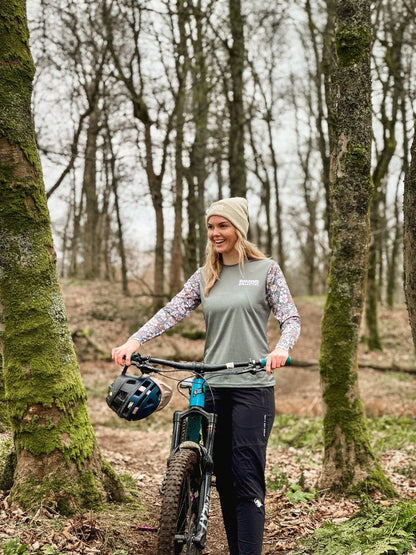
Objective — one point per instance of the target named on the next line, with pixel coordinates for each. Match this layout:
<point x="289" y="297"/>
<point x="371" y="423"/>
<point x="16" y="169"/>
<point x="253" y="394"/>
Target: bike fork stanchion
<point x="209" y="420"/>
<point x="201" y="532"/>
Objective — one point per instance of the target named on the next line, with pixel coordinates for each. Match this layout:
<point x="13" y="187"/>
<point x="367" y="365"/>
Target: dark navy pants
<point x="245" y="419"/>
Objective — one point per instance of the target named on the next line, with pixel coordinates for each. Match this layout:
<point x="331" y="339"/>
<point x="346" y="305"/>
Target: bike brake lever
<point x="255" y="365"/>
<point x="143" y="367"/>
<point x="258" y="364"/>
<point x="138" y="358"/>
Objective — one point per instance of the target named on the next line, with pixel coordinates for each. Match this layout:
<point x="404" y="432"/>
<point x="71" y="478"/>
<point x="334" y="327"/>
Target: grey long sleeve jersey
<point x="236" y="313"/>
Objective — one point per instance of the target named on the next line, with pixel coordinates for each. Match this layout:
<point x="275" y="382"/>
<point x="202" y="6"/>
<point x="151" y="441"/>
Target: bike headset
<point x="136" y="397"/>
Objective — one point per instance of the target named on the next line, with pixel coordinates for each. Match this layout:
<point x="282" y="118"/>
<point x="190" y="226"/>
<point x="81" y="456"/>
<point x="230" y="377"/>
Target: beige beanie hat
<point x="235" y="209"/>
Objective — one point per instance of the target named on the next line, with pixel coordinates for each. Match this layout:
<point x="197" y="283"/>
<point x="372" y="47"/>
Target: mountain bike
<point x="186" y="488"/>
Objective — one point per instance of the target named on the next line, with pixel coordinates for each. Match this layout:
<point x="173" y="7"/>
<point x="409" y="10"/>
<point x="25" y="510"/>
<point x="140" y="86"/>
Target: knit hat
<point x="234" y="209"/>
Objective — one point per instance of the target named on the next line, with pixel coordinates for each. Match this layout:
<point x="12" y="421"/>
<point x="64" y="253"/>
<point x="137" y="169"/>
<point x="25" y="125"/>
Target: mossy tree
<point x="3" y="411"/>
<point x="349" y="463"/>
<point x="58" y="460"/>
<point x="409" y="223"/>
<point x="409" y="238"/>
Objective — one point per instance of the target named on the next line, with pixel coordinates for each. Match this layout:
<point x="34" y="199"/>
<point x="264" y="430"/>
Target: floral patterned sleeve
<point x="177" y="308"/>
<point x="283" y="307"/>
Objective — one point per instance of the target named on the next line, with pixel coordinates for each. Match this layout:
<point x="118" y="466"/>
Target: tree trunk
<point x="319" y="78"/>
<point x="393" y="90"/>
<point x="4" y="420"/>
<point x="308" y="244"/>
<point x="349" y="463"/>
<point x="120" y="236"/>
<point x="268" y="177"/>
<point x="393" y="265"/>
<point x="90" y="236"/>
<point x="218" y="159"/>
<point x="372" y="337"/>
<point x="281" y="255"/>
<point x="104" y="222"/>
<point x="264" y="238"/>
<point x="131" y="76"/>
<point x="191" y="259"/>
<point x="155" y="187"/>
<point x="196" y="174"/>
<point x="58" y="460"/>
<point x="409" y="239"/>
<point x="395" y="251"/>
<point x="114" y="186"/>
<point x="236" y="158"/>
<point x="328" y="65"/>
<point x="73" y="270"/>
<point x="200" y="107"/>
<point x="182" y="64"/>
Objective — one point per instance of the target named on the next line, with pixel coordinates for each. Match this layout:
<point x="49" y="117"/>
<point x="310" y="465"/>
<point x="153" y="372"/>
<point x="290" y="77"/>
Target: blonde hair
<point x="213" y="261"/>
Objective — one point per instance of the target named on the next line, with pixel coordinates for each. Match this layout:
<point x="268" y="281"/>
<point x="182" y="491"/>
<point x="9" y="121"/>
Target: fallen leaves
<point x="79" y="536"/>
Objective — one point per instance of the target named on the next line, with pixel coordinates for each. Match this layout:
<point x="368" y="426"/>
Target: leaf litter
<point x="142" y="451"/>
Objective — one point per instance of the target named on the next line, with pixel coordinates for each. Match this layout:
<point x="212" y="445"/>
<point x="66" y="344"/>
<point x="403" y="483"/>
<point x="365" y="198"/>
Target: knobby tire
<point x="179" y="510"/>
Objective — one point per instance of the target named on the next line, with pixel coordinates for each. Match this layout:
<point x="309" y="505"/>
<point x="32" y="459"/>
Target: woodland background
<point x="144" y="113"/>
<point x="147" y="112"/>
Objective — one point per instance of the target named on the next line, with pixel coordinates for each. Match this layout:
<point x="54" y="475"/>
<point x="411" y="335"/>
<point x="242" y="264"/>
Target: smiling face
<point x="223" y="236"/>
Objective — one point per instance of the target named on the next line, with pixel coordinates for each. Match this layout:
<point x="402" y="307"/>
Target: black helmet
<point x="134" y="397"/>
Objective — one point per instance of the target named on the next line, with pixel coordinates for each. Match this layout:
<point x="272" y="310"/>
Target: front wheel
<point x="179" y="510"/>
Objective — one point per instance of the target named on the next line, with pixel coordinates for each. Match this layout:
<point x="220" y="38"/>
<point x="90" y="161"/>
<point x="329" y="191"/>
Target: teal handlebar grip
<point x="287" y="363"/>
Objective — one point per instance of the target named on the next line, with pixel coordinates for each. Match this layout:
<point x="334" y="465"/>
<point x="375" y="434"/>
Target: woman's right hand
<point x="122" y="355"/>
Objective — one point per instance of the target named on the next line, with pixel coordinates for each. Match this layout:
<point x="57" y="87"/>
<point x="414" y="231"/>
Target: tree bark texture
<point x="322" y="64"/>
<point x="90" y="236"/>
<point x="182" y="67"/>
<point x="349" y="463"/>
<point x="236" y="158"/>
<point x="328" y="67"/>
<point x="4" y="420"/>
<point x="200" y="107"/>
<point x="115" y="188"/>
<point x="409" y="239"/>
<point x="58" y="460"/>
<point x="155" y="187"/>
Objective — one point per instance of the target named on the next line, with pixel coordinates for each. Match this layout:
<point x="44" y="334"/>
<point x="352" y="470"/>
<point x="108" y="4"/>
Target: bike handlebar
<point x="198" y="367"/>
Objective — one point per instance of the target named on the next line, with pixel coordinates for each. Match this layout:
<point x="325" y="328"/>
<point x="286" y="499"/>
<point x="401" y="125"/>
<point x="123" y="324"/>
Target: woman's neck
<point x="230" y="258"/>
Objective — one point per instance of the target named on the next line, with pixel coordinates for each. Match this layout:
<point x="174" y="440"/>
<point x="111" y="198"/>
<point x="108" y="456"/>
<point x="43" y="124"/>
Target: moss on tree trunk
<point x="349" y="462"/>
<point x="409" y="239"/>
<point x="58" y="460"/>
<point x="4" y="419"/>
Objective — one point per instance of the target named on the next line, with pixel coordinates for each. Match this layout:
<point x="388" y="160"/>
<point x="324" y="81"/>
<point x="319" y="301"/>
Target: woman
<point x="238" y="287"/>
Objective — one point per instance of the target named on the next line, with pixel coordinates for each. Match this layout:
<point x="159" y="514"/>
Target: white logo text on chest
<point x="249" y="282"/>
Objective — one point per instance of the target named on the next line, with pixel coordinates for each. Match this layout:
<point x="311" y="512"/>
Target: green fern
<point x="13" y="547"/>
<point x="373" y="530"/>
<point x="296" y="494"/>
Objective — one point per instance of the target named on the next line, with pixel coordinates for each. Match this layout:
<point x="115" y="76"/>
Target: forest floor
<point x="100" y="317"/>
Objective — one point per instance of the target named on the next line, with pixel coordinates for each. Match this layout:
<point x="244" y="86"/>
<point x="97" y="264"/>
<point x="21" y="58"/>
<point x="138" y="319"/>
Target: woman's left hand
<point x="276" y="359"/>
